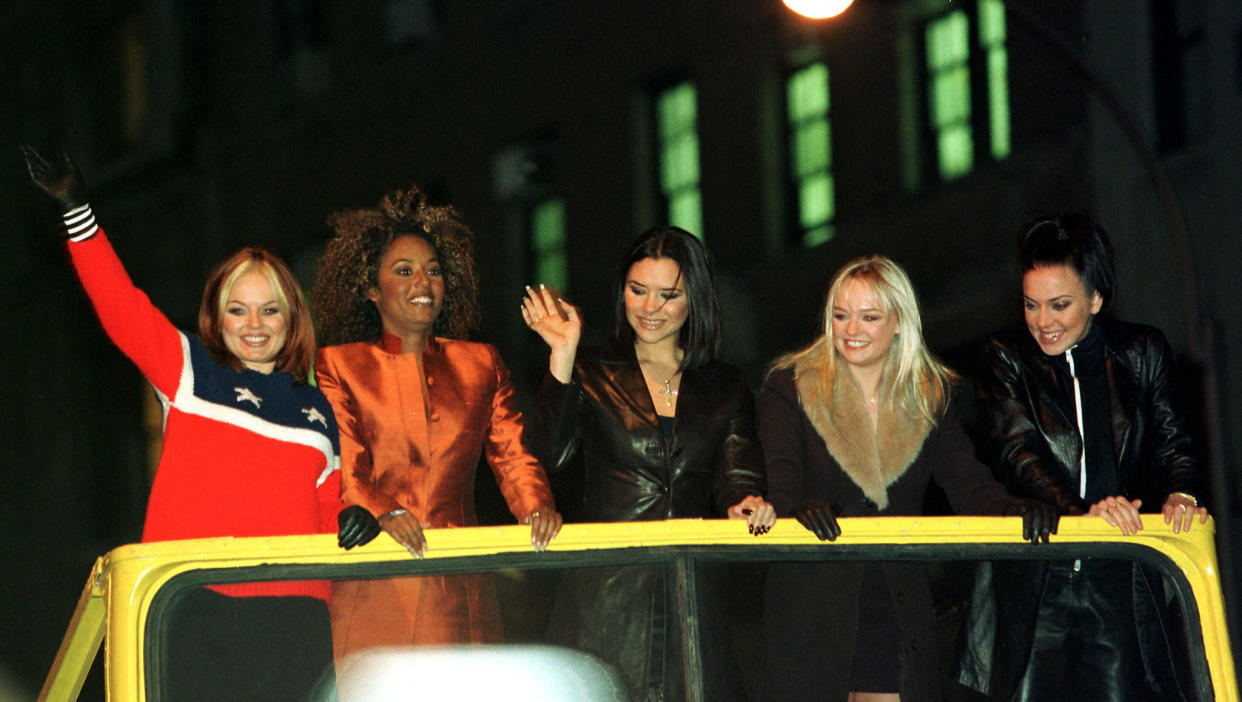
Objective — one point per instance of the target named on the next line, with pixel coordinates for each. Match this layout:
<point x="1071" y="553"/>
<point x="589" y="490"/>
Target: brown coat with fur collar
<point x="828" y="451"/>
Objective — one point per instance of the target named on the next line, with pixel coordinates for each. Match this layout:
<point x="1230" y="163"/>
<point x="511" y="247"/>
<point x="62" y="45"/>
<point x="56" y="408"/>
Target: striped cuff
<point x="80" y="223"/>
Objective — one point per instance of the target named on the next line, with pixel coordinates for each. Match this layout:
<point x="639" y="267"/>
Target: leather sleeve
<point x="1019" y="452"/>
<point x="1167" y="437"/>
<point x="739" y="471"/>
<point x="554" y="435"/>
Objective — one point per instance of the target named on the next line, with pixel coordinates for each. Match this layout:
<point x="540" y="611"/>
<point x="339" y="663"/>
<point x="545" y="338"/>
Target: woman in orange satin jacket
<point x="396" y="291"/>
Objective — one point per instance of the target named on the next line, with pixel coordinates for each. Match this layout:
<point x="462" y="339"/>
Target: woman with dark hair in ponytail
<point x="658" y="428"/>
<point x="1083" y="412"/>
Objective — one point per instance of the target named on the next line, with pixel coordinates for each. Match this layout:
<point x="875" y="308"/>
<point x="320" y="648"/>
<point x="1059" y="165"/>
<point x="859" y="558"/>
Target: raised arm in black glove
<point x="61" y="183"/>
<point x="357" y="526"/>
<point x="1039" y="519"/>
<point x="59" y="180"/>
<point x="820" y="518"/>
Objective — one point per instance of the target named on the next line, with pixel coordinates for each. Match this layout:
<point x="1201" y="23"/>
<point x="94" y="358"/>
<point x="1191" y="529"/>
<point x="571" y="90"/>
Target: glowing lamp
<point x="818" y="9"/>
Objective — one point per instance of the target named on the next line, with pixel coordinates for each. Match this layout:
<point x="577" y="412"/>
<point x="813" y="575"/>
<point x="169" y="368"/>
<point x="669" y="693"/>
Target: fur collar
<point x="843" y="423"/>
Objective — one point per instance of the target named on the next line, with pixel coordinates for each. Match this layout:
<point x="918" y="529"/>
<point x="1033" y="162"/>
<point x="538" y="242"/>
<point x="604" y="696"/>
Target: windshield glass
<point x="687" y="622"/>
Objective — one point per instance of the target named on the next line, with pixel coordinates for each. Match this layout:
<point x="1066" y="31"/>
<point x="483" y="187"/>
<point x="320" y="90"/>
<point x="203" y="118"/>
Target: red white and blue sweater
<point x="245" y="453"/>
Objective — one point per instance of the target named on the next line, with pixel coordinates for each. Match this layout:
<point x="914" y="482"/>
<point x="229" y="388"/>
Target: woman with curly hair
<point x="396" y="293"/>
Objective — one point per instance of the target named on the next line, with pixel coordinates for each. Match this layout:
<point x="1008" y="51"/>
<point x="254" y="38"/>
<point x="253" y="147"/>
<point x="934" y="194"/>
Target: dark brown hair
<point x="350" y="264"/>
<point x="296" y="355"/>
<point x="699" y="338"/>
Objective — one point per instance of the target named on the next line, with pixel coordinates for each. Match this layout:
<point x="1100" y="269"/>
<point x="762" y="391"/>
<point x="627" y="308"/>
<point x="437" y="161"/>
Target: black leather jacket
<point x="606" y="420"/>
<point x="604" y="424"/>
<point x="1035" y="448"/>
<point x="1035" y="445"/>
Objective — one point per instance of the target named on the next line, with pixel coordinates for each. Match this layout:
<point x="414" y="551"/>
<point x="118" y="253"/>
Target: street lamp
<point x="818" y="9"/>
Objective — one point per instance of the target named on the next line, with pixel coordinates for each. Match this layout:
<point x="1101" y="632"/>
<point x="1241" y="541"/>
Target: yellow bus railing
<point x="123" y="584"/>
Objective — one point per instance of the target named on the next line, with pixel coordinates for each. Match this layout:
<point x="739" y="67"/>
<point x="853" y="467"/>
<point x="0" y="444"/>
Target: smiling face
<point x="1057" y="307"/>
<point x="862" y="330"/>
<point x="253" y="324"/>
<point x="655" y="301"/>
<point x="411" y="287"/>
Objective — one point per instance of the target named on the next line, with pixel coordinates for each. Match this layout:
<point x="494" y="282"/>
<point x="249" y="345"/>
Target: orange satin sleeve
<point x="356" y="483"/>
<point x="523" y="481"/>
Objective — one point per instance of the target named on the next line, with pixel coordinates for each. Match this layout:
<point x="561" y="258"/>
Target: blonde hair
<point x="913" y="378"/>
<point x="252" y="266"/>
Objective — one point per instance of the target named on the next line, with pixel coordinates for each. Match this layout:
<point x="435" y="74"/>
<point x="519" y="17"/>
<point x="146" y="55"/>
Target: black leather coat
<point x="605" y="421"/>
<point x="604" y="425"/>
<point x="1035" y="448"/>
<point x="1035" y="445"/>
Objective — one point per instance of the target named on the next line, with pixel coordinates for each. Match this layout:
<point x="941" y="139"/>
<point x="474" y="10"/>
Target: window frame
<point x="798" y="234"/>
<point x="664" y="196"/>
<point x="986" y="144"/>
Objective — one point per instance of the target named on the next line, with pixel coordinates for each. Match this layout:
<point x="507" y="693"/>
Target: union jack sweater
<point x="245" y="453"/>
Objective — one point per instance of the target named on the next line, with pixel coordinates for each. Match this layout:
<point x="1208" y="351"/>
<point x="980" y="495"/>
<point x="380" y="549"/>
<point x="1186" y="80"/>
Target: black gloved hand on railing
<point x="820" y="518"/>
<point x="356" y="526"/>
<point x="1039" y="519"/>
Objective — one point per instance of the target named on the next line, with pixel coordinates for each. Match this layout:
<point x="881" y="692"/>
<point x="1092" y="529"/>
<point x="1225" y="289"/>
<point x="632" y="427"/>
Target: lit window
<point x="810" y="152"/>
<point x="547" y="237"/>
<point x="948" y="67"/>
<point x="954" y="126"/>
<point x="677" y="121"/>
<point x="992" y="41"/>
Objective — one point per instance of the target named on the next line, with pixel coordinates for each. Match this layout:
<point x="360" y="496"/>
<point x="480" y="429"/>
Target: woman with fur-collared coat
<point x="858" y="424"/>
<point x="417" y="407"/>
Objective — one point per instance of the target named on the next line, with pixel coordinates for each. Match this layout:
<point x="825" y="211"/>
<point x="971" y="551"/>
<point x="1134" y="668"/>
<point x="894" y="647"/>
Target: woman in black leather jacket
<point x="659" y="429"/>
<point x="1082" y="412"/>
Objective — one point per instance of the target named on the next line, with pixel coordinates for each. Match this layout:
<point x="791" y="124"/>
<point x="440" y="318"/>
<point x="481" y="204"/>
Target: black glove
<point x="1039" y="519"/>
<point x="820" y="518"/>
<point x="356" y="527"/>
<point x="58" y="179"/>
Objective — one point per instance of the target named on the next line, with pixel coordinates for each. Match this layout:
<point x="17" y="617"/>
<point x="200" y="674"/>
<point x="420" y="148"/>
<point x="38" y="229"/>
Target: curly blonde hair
<point x="349" y="267"/>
